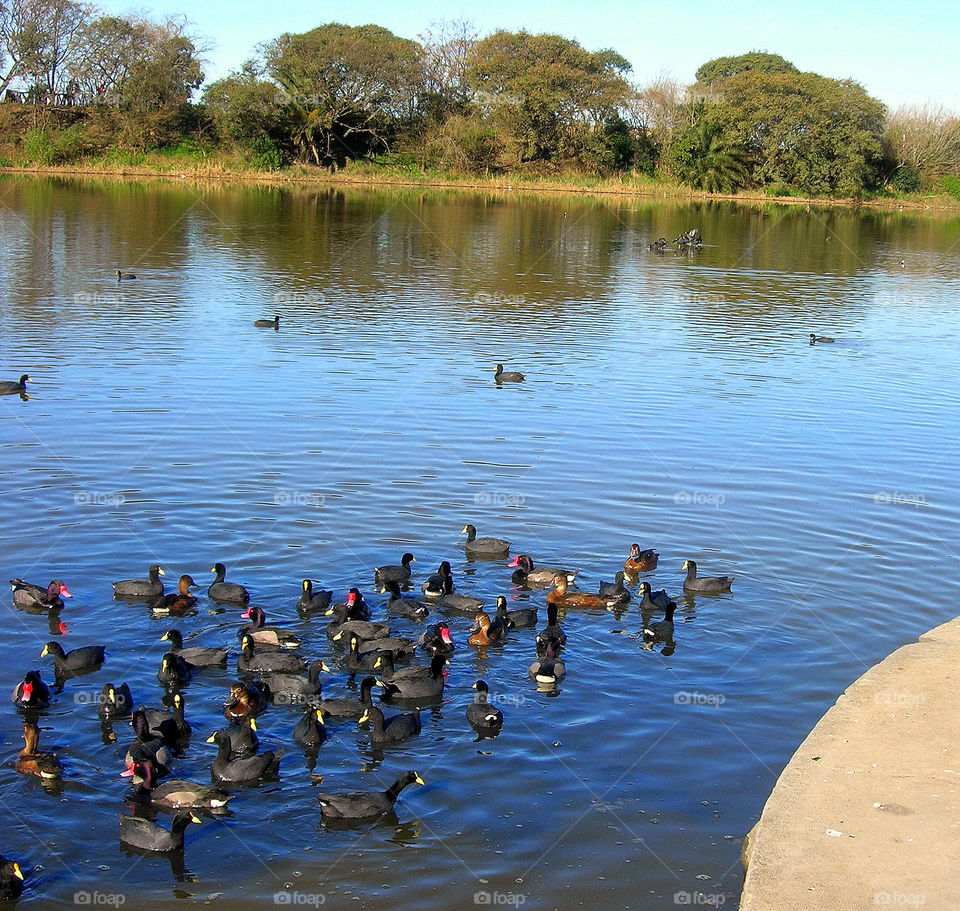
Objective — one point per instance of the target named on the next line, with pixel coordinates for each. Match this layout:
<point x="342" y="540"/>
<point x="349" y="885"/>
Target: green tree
<point x="546" y="91"/>
<point x="250" y="112"/>
<point x="136" y="64"/>
<point x="801" y="129"/>
<point x="704" y="157"/>
<point x="347" y="89"/>
<point x="754" y="62"/>
<point x="244" y="106"/>
<point x="168" y="73"/>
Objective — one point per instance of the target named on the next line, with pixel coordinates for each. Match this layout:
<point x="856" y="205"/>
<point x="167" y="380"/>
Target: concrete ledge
<point x="867" y="812"/>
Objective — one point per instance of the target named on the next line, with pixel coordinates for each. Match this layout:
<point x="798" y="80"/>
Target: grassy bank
<point x="196" y="165"/>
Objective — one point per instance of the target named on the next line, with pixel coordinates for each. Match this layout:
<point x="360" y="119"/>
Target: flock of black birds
<point x="271" y="672"/>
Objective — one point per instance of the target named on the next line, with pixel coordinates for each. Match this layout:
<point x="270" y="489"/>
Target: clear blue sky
<point x="902" y="52"/>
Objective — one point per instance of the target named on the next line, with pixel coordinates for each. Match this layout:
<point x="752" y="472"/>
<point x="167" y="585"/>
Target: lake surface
<point x="670" y="400"/>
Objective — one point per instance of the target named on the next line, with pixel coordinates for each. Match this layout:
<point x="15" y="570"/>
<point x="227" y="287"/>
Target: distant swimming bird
<point x="640" y="561"/>
<point x="823" y="339"/>
<point x="81" y="660"/>
<point x="179" y="601"/>
<point x="268" y="323"/>
<point x="706" y="584"/>
<point x="311" y="730"/>
<point x="125" y="276"/>
<point x="174" y="671"/>
<point x="433" y="588"/>
<point x="519" y="618"/>
<point x="32" y="762"/>
<point x="614" y="592"/>
<point x="540" y="577"/>
<point x="175" y="794"/>
<point x="457" y="602"/>
<point x="266" y="662"/>
<point x="142" y="589"/>
<point x="484" y="632"/>
<point x="550" y="668"/>
<point x="9" y="387"/>
<point x="11" y="879"/>
<point x="551" y="632"/>
<point x="195" y="656"/>
<point x="141" y="833"/>
<point x="488" y="548"/>
<point x="312" y="601"/>
<point x="114" y="701"/>
<point x="411" y="608"/>
<point x="27" y="595"/>
<point x="229" y="592"/>
<point x="401" y="573"/>
<point x="31" y="692"/>
<point x="482" y="716"/>
<point x="396" y="729"/>
<point x="226" y="769"/>
<point x="662" y="630"/>
<point x="513" y="377"/>
<point x="271" y="636"/>
<point x="651" y="600"/>
<point x="365" y="804"/>
<point x="436" y="640"/>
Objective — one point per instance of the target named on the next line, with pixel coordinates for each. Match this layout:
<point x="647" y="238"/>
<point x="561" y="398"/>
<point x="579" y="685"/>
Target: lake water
<point x="670" y="400"/>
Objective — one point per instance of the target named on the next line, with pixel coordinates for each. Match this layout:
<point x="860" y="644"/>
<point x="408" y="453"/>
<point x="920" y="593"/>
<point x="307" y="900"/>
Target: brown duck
<point x="485" y="632"/>
<point x="32" y="762"/>
<point x="567" y="599"/>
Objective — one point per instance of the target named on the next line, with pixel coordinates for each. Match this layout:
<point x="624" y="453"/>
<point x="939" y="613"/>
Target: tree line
<point x="459" y="102"/>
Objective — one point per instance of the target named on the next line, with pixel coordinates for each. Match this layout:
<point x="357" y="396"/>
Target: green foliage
<point x="123" y="157"/>
<point x="166" y="77"/>
<point x="804" y="130"/>
<point x="186" y="148"/>
<point x="245" y="107"/>
<point x="266" y="154"/>
<point x="781" y="189"/>
<point x="950" y="185"/>
<point x="73" y="143"/>
<point x="38" y="148"/>
<point x="704" y="157"/>
<point x="346" y="88"/>
<point x="545" y="91"/>
<point x="616" y="146"/>
<point x="906" y="180"/>
<point x="754" y="62"/>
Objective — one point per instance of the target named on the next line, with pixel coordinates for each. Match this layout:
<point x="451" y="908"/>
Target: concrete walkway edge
<point x="867" y="812"/>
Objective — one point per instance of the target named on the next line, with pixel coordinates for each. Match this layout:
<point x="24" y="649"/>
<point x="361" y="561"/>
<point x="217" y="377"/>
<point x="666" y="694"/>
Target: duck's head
<point x="57" y="589"/>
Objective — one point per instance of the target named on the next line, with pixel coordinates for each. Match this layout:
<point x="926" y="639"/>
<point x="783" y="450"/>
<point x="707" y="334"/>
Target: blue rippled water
<point x="670" y="400"/>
